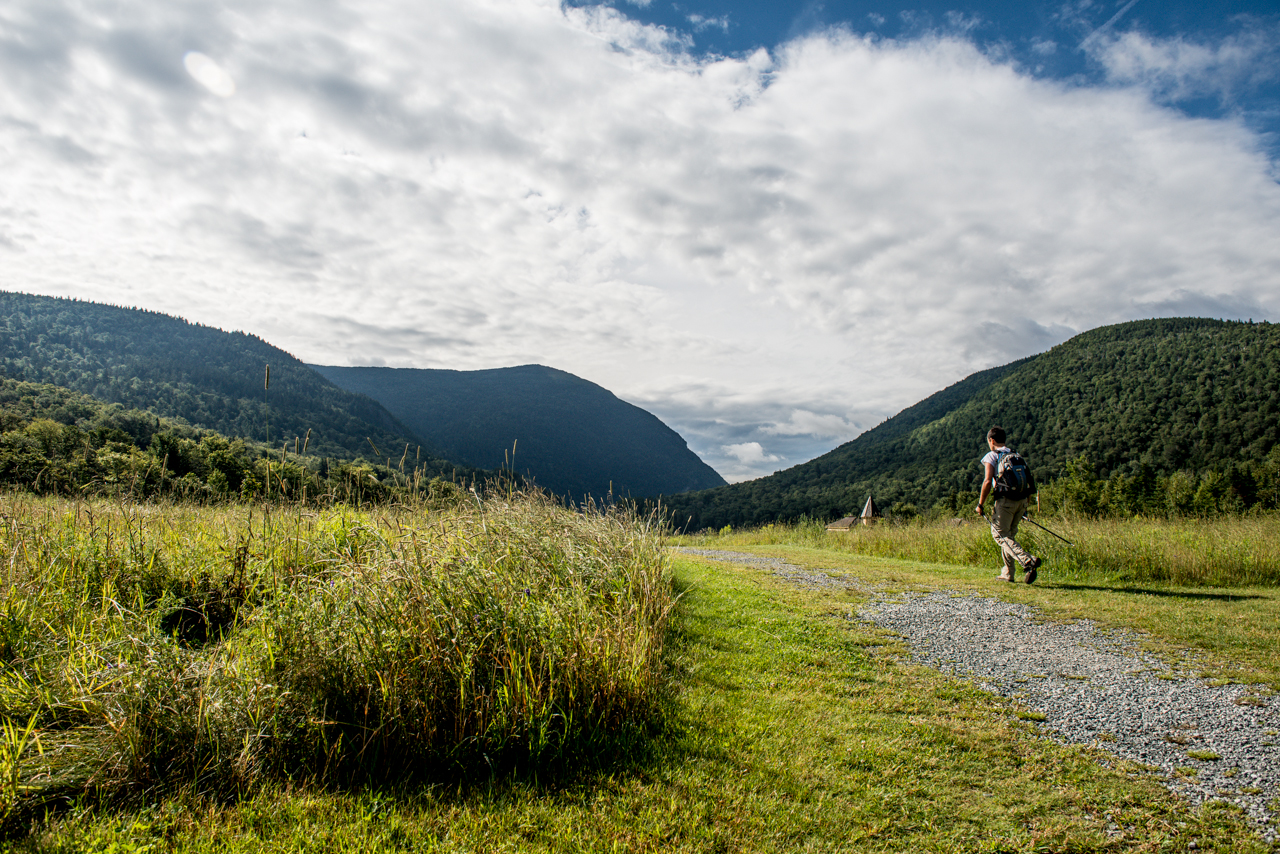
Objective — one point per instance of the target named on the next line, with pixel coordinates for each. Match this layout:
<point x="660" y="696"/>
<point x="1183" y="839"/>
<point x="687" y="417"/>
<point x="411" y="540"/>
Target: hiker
<point x="1006" y="474"/>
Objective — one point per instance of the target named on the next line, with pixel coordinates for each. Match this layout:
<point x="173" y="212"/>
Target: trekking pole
<point x="1027" y="518"/>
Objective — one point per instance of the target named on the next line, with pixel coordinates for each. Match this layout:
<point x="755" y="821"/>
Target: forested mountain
<point x="572" y="436"/>
<point x="1185" y="407"/>
<point x="204" y="376"/>
<point x="1133" y="402"/>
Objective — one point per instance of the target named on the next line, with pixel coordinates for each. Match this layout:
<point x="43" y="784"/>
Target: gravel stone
<point x="1094" y="687"/>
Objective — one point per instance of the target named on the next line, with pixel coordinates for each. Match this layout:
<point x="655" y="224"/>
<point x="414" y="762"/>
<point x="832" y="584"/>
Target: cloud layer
<point x="772" y="252"/>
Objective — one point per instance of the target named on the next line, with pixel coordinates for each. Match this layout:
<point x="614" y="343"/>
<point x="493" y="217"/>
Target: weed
<point x="1203" y="755"/>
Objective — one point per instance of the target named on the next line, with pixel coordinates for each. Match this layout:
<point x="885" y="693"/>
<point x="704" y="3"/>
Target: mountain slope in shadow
<point x="571" y="436"/>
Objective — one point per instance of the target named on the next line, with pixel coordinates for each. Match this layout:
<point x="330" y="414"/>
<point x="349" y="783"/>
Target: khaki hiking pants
<point x="1005" y="515"/>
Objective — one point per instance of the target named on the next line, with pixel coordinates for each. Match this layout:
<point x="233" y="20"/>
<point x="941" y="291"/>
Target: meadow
<point x="501" y="674"/>
<point x="155" y="649"/>
<point x="1221" y="551"/>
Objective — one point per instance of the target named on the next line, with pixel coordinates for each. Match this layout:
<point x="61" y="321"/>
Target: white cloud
<point x="805" y="423"/>
<point x="718" y="416"/>
<point x="701" y="22"/>
<point x="791" y="242"/>
<point x="749" y="452"/>
<point x="958" y="22"/>
<point x="209" y="74"/>
<point x="749" y="456"/>
<point x="1179" y="68"/>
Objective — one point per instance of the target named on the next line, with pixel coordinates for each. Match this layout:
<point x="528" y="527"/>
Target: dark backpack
<point x="1013" y="477"/>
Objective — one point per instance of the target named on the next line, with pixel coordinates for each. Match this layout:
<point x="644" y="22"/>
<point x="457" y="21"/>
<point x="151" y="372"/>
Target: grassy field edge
<point x="793" y="728"/>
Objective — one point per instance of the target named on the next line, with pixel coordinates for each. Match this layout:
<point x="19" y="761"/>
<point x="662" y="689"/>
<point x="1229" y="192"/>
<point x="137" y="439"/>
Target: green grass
<point x="1224" y="633"/>
<point x="792" y="728"/>
<point x="1224" y="551"/>
<point x="1203" y="755"/>
<point x="152" y="650"/>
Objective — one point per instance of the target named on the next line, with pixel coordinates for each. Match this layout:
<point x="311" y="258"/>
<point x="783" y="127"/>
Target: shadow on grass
<point x="1150" y="591"/>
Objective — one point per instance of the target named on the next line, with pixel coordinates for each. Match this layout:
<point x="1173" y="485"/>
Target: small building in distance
<point x="843" y="524"/>
<point x="870" y="513"/>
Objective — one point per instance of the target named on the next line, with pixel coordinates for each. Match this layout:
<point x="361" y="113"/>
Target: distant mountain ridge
<point x="1161" y="395"/>
<point x="204" y="376"/>
<point x="574" y="437"/>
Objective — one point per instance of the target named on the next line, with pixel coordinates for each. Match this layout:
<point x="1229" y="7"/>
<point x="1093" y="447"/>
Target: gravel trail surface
<point x="1093" y="686"/>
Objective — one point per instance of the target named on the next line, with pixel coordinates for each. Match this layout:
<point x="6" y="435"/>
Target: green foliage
<point x="572" y="437"/>
<point x="154" y="648"/>
<point x="1193" y="402"/>
<point x="208" y="378"/>
<point x="54" y="441"/>
<point x="1079" y="487"/>
<point x="1231" y="490"/>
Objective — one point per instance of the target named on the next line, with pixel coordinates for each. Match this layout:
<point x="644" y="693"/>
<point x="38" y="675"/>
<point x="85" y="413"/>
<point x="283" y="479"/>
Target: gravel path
<point x="1093" y="686"/>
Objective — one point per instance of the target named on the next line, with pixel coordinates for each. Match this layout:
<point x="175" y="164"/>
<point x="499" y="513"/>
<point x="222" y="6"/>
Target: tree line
<point x="185" y="371"/>
<point x="56" y="441"/>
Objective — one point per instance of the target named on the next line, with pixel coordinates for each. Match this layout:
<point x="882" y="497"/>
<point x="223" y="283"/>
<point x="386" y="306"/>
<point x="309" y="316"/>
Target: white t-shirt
<point x="993" y="457"/>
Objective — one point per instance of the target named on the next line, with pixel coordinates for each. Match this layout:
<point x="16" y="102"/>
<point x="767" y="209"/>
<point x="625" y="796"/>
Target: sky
<point x="771" y="224"/>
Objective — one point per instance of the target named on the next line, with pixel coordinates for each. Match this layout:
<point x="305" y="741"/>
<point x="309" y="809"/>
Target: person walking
<point x="1007" y="476"/>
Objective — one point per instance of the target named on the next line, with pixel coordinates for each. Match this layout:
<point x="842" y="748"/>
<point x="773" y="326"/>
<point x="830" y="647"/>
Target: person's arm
<point x="986" y="487"/>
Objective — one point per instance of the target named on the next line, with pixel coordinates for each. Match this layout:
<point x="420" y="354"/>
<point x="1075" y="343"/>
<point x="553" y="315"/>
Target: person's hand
<point x="978" y="510"/>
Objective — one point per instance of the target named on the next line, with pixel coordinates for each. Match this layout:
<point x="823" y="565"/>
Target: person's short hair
<point x="996" y="434"/>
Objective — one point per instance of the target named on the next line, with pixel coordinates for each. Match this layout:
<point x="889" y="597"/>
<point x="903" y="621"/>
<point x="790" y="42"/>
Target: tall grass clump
<point x="157" y="648"/>
<point x="1228" y="551"/>
<point x="520" y="631"/>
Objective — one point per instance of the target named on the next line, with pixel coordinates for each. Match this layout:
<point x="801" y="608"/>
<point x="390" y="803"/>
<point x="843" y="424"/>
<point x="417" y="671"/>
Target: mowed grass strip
<point x="793" y="728"/>
<point x="1231" y="551"/>
<point x="1225" y="633"/>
